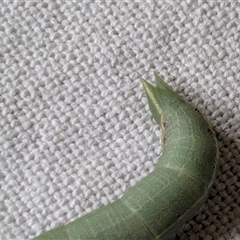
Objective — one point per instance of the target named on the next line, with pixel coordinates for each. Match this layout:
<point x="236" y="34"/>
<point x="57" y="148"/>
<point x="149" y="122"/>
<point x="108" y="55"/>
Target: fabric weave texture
<point x="75" y="128"/>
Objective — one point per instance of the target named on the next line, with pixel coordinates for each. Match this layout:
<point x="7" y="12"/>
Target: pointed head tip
<point x="142" y="80"/>
<point x="144" y="83"/>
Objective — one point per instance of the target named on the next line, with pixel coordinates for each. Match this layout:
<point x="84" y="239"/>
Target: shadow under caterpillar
<point x="158" y="205"/>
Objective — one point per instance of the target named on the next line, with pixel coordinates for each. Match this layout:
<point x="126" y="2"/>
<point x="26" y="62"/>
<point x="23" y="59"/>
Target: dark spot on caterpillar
<point x="164" y="125"/>
<point x="213" y="166"/>
<point x="210" y="132"/>
<point x="178" y="215"/>
<point x="196" y="110"/>
<point x="164" y="141"/>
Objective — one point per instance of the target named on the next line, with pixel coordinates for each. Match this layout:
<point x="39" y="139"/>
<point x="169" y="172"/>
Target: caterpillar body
<point x="158" y="205"/>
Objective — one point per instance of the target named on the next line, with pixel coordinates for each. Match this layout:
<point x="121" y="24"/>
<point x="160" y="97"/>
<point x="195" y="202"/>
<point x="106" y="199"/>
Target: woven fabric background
<point x="75" y="128"/>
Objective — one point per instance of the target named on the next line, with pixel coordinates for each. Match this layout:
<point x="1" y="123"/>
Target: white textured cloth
<point x="75" y="128"/>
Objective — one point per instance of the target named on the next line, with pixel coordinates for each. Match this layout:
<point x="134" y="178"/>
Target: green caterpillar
<point x="158" y="205"/>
